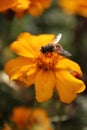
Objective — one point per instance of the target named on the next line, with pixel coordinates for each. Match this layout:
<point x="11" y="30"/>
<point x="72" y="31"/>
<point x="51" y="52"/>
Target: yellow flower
<point x="48" y="71"/>
<point x="6" y="4"/>
<point x="74" y="6"/>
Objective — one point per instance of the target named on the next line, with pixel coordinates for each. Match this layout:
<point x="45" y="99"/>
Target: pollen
<point x="47" y="61"/>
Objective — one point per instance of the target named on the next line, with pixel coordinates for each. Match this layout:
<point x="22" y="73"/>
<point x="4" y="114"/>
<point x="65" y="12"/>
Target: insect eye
<point x="43" y="49"/>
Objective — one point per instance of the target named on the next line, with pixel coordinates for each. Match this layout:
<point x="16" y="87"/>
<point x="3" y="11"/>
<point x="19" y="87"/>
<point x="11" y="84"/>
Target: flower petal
<point x="22" y="48"/>
<point x="6" y="4"/>
<point x="32" y="40"/>
<point x="36" y="41"/>
<point x="25" y="45"/>
<point x="70" y="7"/>
<point x="47" y="3"/>
<point x="44" y="84"/>
<point x="68" y="86"/>
<point x="28" y="78"/>
<point x="36" y="9"/>
<point x="45" y="39"/>
<point x="65" y="63"/>
<point x="14" y="67"/>
<point x="21" y="5"/>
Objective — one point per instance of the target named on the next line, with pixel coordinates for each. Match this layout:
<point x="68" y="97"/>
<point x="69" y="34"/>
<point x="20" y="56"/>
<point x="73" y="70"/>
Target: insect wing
<point x="66" y="53"/>
<point x="57" y="39"/>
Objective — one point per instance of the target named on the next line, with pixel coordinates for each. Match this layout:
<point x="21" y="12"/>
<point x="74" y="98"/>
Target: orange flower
<point x="74" y="6"/>
<point x="47" y="70"/>
<point x="40" y="119"/>
<point x="6" y="4"/>
<point x="38" y="6"/>
<point x="20" y="116"/>
<point x="27" y="117"/>
<point x="33" y="7"/>
<point x="20" y="7"/>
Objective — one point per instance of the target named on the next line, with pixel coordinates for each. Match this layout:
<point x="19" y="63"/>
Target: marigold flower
<point x="20" y="116"/>
<point x="40" y="118"/>
<point x="48" y="71"/>
<point x="6" y="4"/>
<point x="27" y="117"/>
<point x="33" y="7"/>
<point x="38" y="6"/>
<point x="78" y="7"/>
<point x="20" y="7"/>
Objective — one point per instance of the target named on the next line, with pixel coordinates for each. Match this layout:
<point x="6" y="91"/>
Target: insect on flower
<point x="40" y="62"/>
<point x="54" y="46"/>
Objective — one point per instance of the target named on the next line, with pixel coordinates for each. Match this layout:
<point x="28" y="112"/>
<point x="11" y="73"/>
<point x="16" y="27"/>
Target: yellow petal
<point x="28" y="45"/>
<point x="22" y="48"/>
<point x="14" y="67"/>
<point x="28" y="78"/>
<point x="32" y="40"/>
<point x="68" y="86"/>
<point x="45" y="39"/>
<point x="6" y="4"/>
<point x="44" y="85"/>
<point x="36" y="41"/>
<point x="70" y="7"/>
<point x="65" y="63"/>
<point x="21" y="5"/>
<point x="24" y="35"/>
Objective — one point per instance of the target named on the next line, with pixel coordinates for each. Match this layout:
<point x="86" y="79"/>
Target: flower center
<point x="47" y="61"/>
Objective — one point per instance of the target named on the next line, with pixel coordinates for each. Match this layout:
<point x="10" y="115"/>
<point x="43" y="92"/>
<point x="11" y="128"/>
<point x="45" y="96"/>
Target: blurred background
<point x="74" y="39"/>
